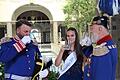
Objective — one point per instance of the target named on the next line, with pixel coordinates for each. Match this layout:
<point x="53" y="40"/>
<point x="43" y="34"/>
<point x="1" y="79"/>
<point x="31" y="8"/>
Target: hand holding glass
<point x="67" y="45"/>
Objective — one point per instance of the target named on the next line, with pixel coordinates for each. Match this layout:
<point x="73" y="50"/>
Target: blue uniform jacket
<point x="18" y="58"/>
<point x="103" y="67"/>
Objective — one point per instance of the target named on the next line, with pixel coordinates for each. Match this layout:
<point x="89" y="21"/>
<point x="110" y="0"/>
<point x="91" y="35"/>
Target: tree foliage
<point x="81" y="11"/>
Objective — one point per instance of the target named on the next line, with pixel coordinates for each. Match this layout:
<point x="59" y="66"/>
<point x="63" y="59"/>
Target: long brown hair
<point x="77" y="46"/>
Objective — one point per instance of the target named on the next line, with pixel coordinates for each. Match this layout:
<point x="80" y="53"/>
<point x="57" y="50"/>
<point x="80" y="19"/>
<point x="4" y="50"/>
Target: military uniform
<point x="18" y="59"/>
<point x="103" y="61"/>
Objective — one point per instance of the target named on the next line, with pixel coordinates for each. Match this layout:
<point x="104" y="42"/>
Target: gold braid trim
<point x="41" y="64"/>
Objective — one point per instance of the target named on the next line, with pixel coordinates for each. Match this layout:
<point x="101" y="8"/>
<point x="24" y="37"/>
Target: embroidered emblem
<point x="112" y="46"/>
<point x="99" y="51"/>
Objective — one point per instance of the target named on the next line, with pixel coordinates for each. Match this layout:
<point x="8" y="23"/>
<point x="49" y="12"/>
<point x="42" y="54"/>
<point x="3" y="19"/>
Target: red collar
<point x="104" y="39"/>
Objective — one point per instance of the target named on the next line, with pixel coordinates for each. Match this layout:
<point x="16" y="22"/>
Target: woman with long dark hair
<point x="72" y="57"/>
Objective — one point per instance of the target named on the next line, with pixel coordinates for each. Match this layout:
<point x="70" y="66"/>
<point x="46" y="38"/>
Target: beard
<point x="94" y="37"/>
<point x="20" y="36"/>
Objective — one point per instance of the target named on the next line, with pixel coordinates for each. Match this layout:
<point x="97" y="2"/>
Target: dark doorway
<point x="2" y="32"/>
<point x="40" y="21"/>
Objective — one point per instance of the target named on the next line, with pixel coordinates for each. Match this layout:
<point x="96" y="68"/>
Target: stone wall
<point x="115" y="31"/>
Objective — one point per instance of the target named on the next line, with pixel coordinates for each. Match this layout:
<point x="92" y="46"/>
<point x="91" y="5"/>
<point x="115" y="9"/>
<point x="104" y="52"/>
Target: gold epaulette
<point x="5" y="39"/>
<point x="100" y="50"/>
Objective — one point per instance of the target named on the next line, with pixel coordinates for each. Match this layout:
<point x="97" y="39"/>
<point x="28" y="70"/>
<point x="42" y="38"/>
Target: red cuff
<point x="19" y="46"/>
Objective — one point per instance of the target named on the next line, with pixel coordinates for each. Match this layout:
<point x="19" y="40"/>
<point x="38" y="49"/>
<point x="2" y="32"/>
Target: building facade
<point x="46" y="17"/>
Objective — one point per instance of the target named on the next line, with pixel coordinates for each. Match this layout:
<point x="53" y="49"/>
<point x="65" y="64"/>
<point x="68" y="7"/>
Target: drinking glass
<point x="67" y="46"/>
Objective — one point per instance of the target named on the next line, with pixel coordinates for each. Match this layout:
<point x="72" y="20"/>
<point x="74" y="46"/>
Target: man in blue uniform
<point x="18" y="53"/>
<point x="103" y="60"/>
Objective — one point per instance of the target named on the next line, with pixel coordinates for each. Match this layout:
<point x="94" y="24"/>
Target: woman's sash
<point x="70" y="60"/>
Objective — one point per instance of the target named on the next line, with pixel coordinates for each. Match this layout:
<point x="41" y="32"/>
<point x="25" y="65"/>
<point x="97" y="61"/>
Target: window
<point x="113" y="27"/>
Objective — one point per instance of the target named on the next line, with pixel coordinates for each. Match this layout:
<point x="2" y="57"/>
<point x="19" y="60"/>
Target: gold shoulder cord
<point x="41" y="64"/>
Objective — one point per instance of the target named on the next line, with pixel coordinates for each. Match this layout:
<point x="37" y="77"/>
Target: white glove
<point x="44" y="73"/>
<point x="26" y="39"/>
<point x="86" y="41"/>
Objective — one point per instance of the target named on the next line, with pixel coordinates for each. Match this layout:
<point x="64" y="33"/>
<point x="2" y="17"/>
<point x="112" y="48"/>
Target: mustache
<point x="94" y="37"/>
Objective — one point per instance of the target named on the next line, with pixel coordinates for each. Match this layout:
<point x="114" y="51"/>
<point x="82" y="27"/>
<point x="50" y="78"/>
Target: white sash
<point x="70" y="60"/>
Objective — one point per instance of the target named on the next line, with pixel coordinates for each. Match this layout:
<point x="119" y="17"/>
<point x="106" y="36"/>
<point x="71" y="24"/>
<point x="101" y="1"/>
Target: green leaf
<point x="80" y="10"/>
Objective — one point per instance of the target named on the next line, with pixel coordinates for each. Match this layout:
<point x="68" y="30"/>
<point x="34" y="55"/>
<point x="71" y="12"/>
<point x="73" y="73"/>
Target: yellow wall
<point x="8" y="7"/>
